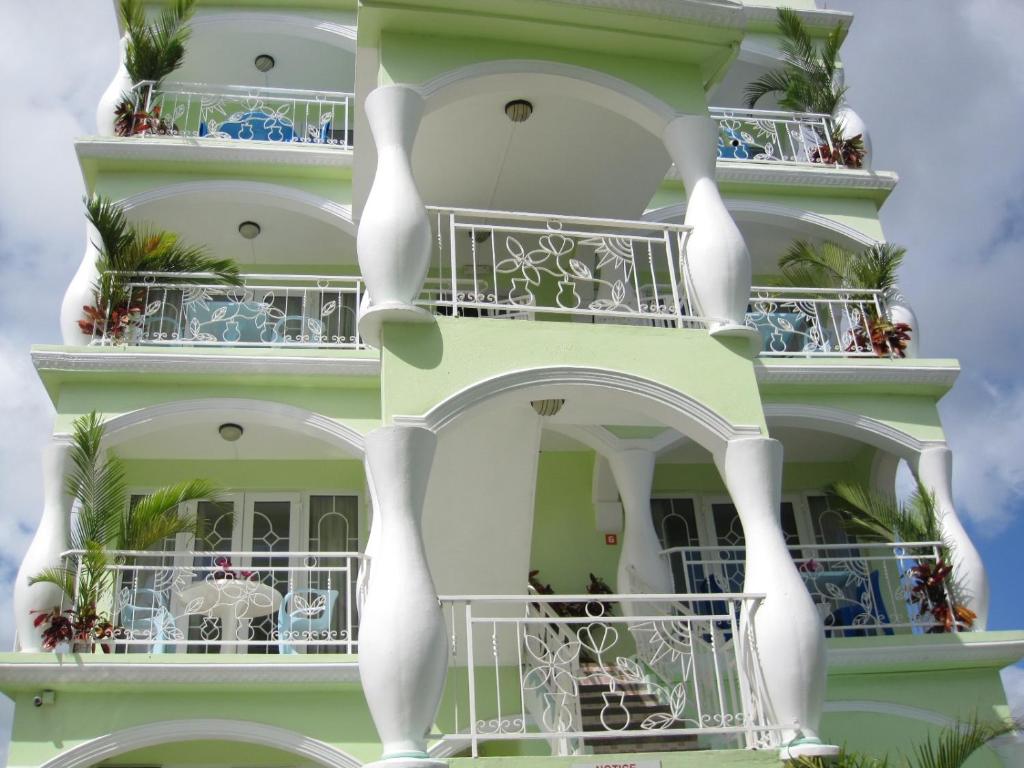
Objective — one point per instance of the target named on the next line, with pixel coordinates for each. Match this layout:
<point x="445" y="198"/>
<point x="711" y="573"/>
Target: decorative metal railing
<point x="238" y="112"/>
<point x="225" y="602"/>
<point x="834" y="322"/>
<point x="577" y="670"/>
<point x="861" y="589"/>
<point x="528" y="265"/>
<point x="175" y="309"/>
<point x="773" y="136"/>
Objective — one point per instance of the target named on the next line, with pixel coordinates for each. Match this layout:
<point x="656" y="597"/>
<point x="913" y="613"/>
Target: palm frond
<point x="155" y="50"/>
<point x="952" y="747"/>
<point x="796" y="44"/>
<point x="96" y="481"/>
<point x="62" y="577"/>
<point x="875" y="516"/>
<point x="157" y="515"/>
<point x="772" y="82"/>
<point x="877" y="266"/>
<point x="159" y="251"/>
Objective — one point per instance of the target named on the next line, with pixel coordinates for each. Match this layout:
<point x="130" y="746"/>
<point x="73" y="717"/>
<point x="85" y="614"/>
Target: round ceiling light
<point x="250" y="230"/>
<point x="230" y="432"/>
<point x="519" y="110"/>
<point x="548" y="407"/>
<point x="264" y="62"/>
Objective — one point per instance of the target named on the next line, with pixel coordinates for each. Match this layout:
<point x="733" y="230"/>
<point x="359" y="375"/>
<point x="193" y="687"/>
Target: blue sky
<point x="940" y="84"/>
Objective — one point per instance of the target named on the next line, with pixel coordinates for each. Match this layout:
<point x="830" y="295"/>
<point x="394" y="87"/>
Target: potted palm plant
<point x="874" y="268"/>
<point x="126" y="250"/>
<point x="810" y="81"/>
<point x="153" y="50"/>
<point x="873" y="516"/>
<point x="106" y="524"/>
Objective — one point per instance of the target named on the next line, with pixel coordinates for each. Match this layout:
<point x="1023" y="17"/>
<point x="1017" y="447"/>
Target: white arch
<point x="152" y="419"/>
<point x="110" y="745"/>
<point x="848" y="424"/>
<point x="606" y="91"/>
<point x="674" y="408"/>
<point x="755" y="210"/>
<point x="307" y="27"/>
<point x="287" y="198"/>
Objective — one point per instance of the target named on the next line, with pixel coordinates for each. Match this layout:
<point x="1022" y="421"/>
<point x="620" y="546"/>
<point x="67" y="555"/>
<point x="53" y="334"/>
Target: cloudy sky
<point x="940" y="84"/>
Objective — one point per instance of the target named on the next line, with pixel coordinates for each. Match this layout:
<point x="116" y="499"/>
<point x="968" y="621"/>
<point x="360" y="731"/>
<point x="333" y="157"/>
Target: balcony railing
<point x="579" y="671"/>
<point x="176" y="309"/>
<point x="834" y="322"/>
<point x="239" y="112"/>
<point x="861" y="589"/>
<point x="771" y="136"/>
<point x="228" y="602"/>
<point x="528" y="265"/>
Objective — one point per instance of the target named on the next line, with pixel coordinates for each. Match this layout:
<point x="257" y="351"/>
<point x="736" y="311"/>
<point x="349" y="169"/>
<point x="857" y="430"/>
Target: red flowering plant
<point x="886" y="338"/>
<point x="930" y="592"/>
<point x="849" y="152"/>
<point x="133" y="120"/>
<point x="74" y="627"/>
<point x="225" y="571"/>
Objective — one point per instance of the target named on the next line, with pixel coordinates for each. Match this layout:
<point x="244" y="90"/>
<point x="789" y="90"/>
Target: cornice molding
<point x="713" y="429"/>
<point x="206" y="150"/>
<point x="913" y="655"/>
<point x="721" y="13"/>
<point x="797" y="175"/>
<point x="812" y="18"/>
<point x="72" y="671"/>
<point x="96" y="751"/>
<point x="852" y="373"/>
<point x="147" y="362"/>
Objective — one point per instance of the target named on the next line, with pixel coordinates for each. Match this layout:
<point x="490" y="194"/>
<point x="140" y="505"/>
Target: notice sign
<point x="623" y="764"/>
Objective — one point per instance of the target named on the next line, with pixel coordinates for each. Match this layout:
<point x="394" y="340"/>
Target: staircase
<point x="607" y="705"/>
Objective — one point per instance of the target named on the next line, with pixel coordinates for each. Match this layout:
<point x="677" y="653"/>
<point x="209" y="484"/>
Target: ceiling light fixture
<point x="250" y="230"/>
<point x="230" y="432"/>
<point x="264" y="62"/>
<point x="518" y="110"/>
<point x="547" y="407"/>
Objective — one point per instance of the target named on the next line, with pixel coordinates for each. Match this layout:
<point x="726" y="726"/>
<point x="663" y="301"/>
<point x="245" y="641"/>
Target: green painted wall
<point x="417" y="59"/>
<point x="424" y="364"/>
<point x="276" y="475"/>
<point x="566" y="545"/>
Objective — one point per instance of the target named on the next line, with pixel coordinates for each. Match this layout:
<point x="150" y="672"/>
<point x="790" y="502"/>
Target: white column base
<point x="407" y="762"/>
<point x="808" y="748"/>
<point x="372" y="320"/>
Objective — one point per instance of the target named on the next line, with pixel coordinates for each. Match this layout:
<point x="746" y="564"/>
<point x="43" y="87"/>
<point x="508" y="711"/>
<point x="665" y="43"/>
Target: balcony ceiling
<point x="286" y="237"/>
<point x="569" y="157"/>
<point x="224" y="55"/>
<point x="199" y="440"/>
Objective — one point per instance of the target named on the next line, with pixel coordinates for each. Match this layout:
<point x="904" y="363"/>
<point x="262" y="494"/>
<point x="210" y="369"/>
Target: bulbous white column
<point x="80" y="291"/>
<point x="787" y="627"/>
<point x="641" y="548"/>
<point x="112" y="96"/>
<point x="849" y="124"/>
<point x="718" y="259"/>
<point x="393" y="241"/>
<point x="901" y="312"/>
<point x="935" y="472"/>
<point x="45" y="549"/>
<point x="402" y="643"/>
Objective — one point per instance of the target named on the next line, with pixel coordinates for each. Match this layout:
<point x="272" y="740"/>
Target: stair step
<point x="643" y="744"/>
<point x="596" y="698"/>
<point x="645" y="708"/>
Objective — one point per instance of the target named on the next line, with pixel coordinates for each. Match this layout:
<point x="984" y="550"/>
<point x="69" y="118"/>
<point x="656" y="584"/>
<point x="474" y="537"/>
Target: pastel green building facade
<point x="524" y="448"/>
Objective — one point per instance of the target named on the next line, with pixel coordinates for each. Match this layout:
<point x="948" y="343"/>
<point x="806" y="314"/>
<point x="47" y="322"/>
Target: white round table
<point x="234" y="601"/>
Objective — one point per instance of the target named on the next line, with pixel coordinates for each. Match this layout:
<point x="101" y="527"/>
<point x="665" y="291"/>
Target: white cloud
<point x="940" y="87"/>
<point x="1013" y="684"/>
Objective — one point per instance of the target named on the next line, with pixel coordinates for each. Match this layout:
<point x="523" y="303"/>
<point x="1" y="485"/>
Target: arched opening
<point x="591" y="145"/>
<point x="268" y="565"/>
<point x="138" y="738"/>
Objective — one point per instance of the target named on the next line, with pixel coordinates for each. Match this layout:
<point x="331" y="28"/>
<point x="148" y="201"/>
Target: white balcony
<point x="771" y="136"/>
<point x="171" y="309"/>
<point x="823" y="322"/>
<point x="195" y="601"/>
<point x="861" y="589"/>
<point x="239" y="113"/>
<point x="595" y="673"/>
<point x="529" y="265"/>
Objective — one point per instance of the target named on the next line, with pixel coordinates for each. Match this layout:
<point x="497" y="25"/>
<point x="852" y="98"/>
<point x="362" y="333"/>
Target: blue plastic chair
<point x="254" y="126"/>
<point x="842" y="619"/>
<point x="146" y="615"/>
<point x="303" y="613"/>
